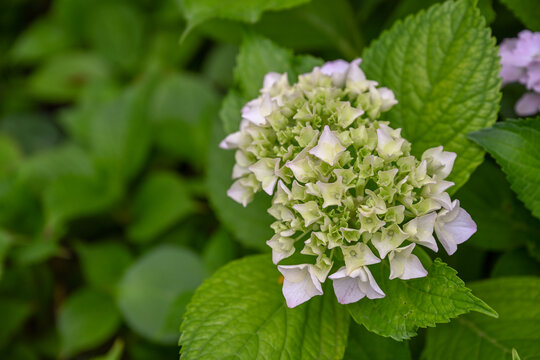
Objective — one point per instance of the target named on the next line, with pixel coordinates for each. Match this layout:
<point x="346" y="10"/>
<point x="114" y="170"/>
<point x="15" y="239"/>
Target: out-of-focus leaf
<point x="427" y="301"/>
<point x="61" y="78"/>
<point x="156" y="288"/>
<point x="10" y="156"/>
<point x="230" y="112"/>
<point x="32" y="131"/>
<point x="515" y="263"/>
<point x="219" y="250"/>
<point x="14" y="314"/>
<point x="5" y="243"/>
<point x="115" y="353"/>
<point x="526" y="11"/>
<point x="86" y="319"/>
<point x="219" y="64"/>
<point x="104" y="263"/>
<point x="251" y="224"/>
<point x="256" y="58"/>
<point x="117" y="31"/>
<point x="503" y="223"/>
<point x="365" y="345"/>
<point x="198" y="11"/>
<point x="120" y="133"/>
<point x="478" y="337"/>
<point x="514" y="144"/>
<point x="165" y="53"/>
<point x="424" y="61"/>
<point x="41" y="40"/>
<point x="319" y="24"/>
<point x="182" y="110"/>
<point x="46" y="166"/>
<point x="240" y="313"/>
<point x="35" y="251"/>
<point x="160" y="202"/>
<point x="73" y="196"/>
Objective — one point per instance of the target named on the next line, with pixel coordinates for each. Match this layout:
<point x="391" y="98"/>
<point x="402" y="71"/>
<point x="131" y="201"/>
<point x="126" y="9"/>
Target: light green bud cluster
<point x="343" y="181"/>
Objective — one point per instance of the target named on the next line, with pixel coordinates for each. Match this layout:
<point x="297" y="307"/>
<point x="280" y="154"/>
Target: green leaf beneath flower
<point x="410" y="304"/>
<point x="478" y="337"/>
<point x="443" y="68"/>
<point x="514" y="144"/>
<point x="365" y="345"/>
<point x="240" y="313"/>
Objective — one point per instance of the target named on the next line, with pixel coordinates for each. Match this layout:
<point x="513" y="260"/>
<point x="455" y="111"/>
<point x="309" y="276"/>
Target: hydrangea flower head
<point x="347" y="193"/>
<point x="520" y="60"/>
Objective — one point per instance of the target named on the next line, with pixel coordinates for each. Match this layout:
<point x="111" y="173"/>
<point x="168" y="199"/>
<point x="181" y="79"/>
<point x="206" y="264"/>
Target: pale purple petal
<point x="299" y="284"/>
<point x="454" y="227"/>
<point x="529" y="104"/>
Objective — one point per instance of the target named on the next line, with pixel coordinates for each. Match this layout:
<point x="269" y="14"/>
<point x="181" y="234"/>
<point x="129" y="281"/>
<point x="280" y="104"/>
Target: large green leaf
<point x="365" y="345"/>
<point x="503" y="222"/>
<point x="514" y="144"/>
<point x="198" y="11"/>
<point x="526" y="11"/>
<point x="161" y="201"/>
<point x="477" y="337"/>
<point x="14" y="314"/>
<point x="443" y="67"/>
<point x="85" y="320"/>
<point x="240" y="313"/>
<point x="154" y="291"/>
<point x="415" y="303"/>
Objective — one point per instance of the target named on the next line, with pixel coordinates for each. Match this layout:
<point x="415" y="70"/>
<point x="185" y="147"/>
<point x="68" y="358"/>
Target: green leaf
<point x="116" y="30"/>
<point x="415" y="303"/>
<point x="477" y="337"/>
<point x="443" y="67"/>
<point x="526" y="11"/>
<point x="257" y="57"/>
<point x="231" y="110"/>
<point x="154" y="291"/>
<point x="219" y="250"/>
<point x="502" y="220"/>
<point x="514" y="144"/>
<point x="33" y="132"/>
<point x="42" y="39"/>
<point x="120" y="134"/>
<point x="6" y="240"/>
<point x="182" y="110"/>
<point x="251" y="224"/>
<point x="250" y="320"/>
<point x="104" y="263"/>
<point x="115" y="353"/>
<point x="14" y="314"/>
<point x="160" y="202"/>
<point x="73" y="196"/>
<point x="198" y="11"/>
<point x="365" y="345"/>
<point x="61" y="78"/>
<point x="10" y="156"/>
<point x="515" y="263"/>
<point x="86" y="319"/>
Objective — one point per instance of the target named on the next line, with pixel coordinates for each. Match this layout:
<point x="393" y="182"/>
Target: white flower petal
<point x="351" y="288"/>
<point x="405" y="265"/>
<point x="440" y="162"/>
<point x="355" y="74"/>
<point x="454" y="227"/>
<point x="265" y="171"/>
<point x="299" y="284"/>
<point x="421" y="230"/>
<point x="282" y="247"/>
<point x="328" y="148"/>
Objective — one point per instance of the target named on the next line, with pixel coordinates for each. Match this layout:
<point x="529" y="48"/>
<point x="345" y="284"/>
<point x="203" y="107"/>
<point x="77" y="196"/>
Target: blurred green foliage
<point x="112" y="191"/>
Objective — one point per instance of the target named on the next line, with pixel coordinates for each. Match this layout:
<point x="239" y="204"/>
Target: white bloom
<point x="328" y="148"/>
<point x="388" y="240"/>
<point x="389" y="141"/>
<point x="282" y="247"/>
<point x="387" y="98"/>
<point x="232" y="141"/>
<point x="405" y="265"/>
<point x="243" y="190"/>
<point x="309" y="211"/>
<point x="353" y="287"/>
<point x="265" y="171"/>
<point x="454" y="226"/>
<point x="440" y="163"/>
<point x="257" y="110"/>
<point x="357" y="256"/>
<point x="299" y="283"/>
<point x="337" y="70"/>
<point x="421" y="230"/>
